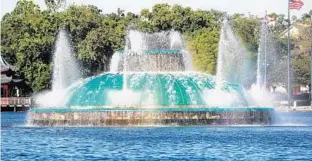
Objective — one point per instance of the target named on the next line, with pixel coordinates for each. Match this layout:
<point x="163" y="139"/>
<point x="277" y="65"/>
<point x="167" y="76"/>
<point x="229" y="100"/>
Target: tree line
<point x="28" y="34"/>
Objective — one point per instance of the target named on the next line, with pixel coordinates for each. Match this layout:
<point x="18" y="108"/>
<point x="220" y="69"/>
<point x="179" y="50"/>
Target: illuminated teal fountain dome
<point x="151" y="82"/>
<point x="155" y="90"/>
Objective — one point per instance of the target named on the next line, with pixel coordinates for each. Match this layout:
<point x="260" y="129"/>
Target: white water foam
<point x="65" y="74"/>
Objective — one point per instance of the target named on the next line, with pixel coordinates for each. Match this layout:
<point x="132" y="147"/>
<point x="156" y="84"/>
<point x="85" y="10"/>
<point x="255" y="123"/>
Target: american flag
<point x="295" y="4"/>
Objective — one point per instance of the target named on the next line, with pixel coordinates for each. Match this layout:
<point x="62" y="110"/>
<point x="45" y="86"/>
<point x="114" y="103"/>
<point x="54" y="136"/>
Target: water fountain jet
<point x="65" y="73"/>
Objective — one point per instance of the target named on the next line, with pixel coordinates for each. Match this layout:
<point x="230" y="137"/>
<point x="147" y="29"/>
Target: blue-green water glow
<point x="160" y="89"/>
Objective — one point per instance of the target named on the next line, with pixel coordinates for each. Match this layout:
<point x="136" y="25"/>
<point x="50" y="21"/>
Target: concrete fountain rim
<point x="163" y="109"/>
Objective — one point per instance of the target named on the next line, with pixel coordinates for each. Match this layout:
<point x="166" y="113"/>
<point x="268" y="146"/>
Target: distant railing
<point x="15" y="101"/>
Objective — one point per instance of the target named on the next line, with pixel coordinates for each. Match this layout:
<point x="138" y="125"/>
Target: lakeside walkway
<point x="15" y="103"/>
<point x="293" y="108"/>
<point x="24" y="103"/>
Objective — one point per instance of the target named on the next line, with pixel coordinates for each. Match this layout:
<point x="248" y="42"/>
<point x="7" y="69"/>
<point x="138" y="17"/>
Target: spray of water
<point x="137" y="43"/>
<point x="220" y="60"/>
<point x="115" y="61"/>
<point x="65" y="73"/>
<point x="267" y="46"/>
<point x="65" y="68"/>
<point x="233" y="60"/>
<point x="135" y="58"/>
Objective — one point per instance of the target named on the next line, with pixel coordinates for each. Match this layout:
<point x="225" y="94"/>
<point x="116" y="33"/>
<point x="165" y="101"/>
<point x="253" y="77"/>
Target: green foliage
<point x="27" y="40"/>
<point x="203" y="44"/>
<point x="100" y="43"/>
<point x="248" y="30"/>
<point x="28" y="36"/>
<point x="301" y="56"/>
<point x="80" y="20"/>
<point x="54" y="5"/>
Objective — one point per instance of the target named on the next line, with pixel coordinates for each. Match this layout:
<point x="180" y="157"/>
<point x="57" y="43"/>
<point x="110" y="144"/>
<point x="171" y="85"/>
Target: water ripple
<point x="154" y="143"/>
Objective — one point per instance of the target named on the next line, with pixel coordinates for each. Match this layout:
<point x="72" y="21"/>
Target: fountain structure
<point x="151" y="82"/>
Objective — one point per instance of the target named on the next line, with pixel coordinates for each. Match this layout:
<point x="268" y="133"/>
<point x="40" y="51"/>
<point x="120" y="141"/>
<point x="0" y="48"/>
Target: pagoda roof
<point x="4" y="65"/>
<point x="5" y="79"/>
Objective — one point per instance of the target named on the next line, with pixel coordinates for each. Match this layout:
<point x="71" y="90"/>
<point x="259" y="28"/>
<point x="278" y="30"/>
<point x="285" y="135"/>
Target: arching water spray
<point x="65" y="73"/>
<point x="233" y="60"/>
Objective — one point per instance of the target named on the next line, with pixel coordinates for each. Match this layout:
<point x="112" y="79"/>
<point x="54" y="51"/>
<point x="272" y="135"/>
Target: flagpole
<point x="288" y="60"/>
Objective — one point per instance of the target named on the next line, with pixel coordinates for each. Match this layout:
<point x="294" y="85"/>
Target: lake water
<point x="289" y="139"/>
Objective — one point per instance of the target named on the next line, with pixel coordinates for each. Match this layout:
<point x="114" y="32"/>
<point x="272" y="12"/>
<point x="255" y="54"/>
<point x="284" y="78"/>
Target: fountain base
<point x="149" y="116"/>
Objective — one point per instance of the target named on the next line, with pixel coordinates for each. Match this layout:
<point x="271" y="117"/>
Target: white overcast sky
<point x="255" y="7"/>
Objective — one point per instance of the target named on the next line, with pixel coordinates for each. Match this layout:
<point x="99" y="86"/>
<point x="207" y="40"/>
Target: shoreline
<point x="293" y="109"/>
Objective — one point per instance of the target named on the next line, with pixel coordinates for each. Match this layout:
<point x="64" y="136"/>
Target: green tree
<point x="80" y="20"/>
<point x="248" y="30"/>
<point x="301" y="56"/>
<point x="203" y="45"/>
<point x="54" y="5"/>
<point x="27" y="37"/>
<point x="100" y="43"/>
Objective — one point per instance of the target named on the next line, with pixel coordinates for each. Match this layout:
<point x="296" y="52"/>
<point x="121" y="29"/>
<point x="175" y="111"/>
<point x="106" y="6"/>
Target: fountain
<point x="151" y="82"/>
